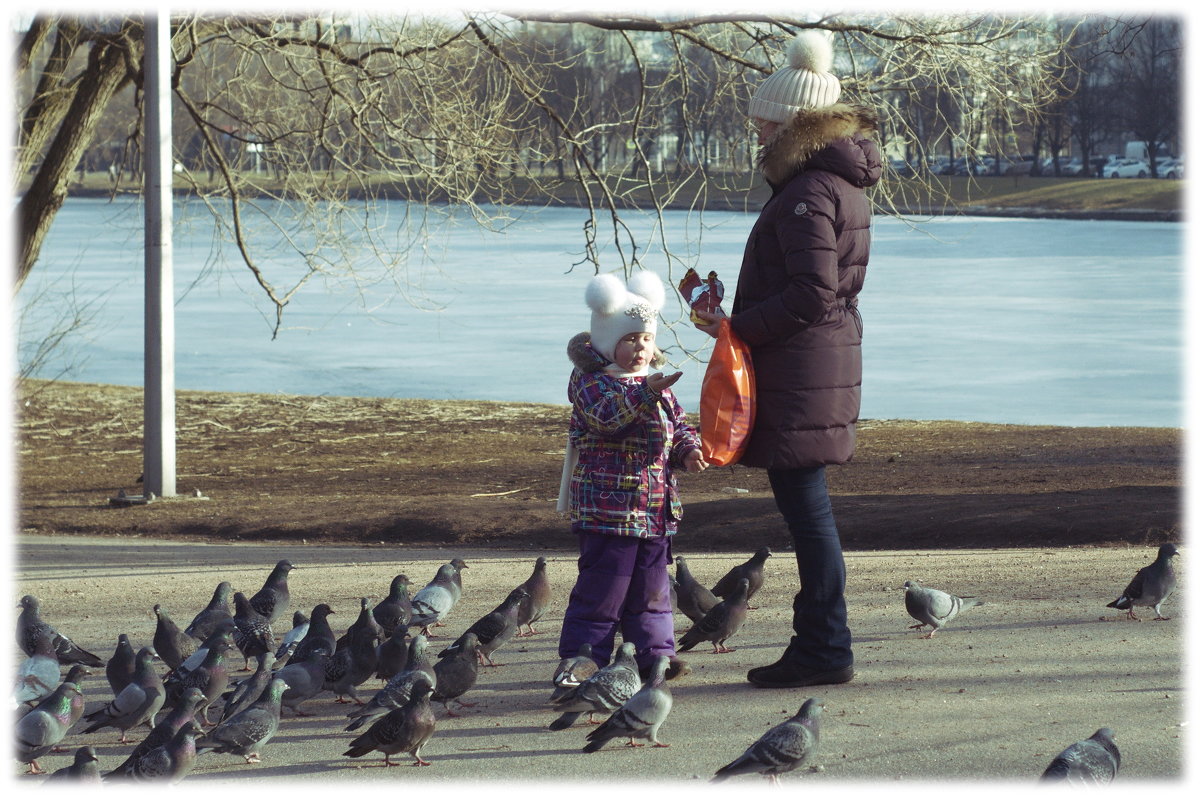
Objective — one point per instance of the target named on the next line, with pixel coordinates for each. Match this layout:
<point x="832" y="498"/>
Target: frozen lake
<point x="1004" y="320"/>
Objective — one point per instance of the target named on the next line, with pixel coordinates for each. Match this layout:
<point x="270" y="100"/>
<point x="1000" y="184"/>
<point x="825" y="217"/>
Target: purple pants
<point x="623" y="584"/>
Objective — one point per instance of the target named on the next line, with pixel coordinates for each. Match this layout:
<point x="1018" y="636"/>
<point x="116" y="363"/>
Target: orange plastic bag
<point x="726" y="399"/>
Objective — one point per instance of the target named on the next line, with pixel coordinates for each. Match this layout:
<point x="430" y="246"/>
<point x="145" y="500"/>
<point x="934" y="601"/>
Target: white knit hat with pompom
<point x="805" y="83"/>
<point x="620" y="308"/>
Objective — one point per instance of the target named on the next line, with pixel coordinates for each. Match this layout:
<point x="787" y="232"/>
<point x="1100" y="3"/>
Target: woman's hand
<point x="710" y="325"/>
<point x="694" y="461"/>
<point x="660" y="382"/>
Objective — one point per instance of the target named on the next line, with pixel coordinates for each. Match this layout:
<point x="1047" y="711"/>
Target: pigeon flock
<point x="183" y="696"/>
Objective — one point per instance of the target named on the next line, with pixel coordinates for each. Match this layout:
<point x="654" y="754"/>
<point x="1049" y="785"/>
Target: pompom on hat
<point x="619" y="309"/>
<point x="806" y="83"/>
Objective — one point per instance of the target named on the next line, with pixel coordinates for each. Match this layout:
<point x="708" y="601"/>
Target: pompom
<point x="811" y="50"/>
<point x="605" y="294"/>
<point x="647" y="285"/>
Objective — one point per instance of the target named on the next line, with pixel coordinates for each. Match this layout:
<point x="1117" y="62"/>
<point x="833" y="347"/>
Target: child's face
<point x="634" y="351"/>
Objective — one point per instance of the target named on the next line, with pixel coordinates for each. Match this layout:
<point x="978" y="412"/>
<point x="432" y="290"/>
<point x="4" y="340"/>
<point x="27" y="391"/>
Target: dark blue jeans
<point x="822" y="637"/>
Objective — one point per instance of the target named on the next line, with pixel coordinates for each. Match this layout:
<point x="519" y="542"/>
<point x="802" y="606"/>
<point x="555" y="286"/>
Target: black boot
<point x="786" y="674"/>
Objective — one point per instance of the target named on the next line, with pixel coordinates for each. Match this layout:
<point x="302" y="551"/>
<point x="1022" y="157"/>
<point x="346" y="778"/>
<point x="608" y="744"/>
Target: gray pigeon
<point x="456" y="671"/>
<point x="248" y="689"/>
<point x="45" y="725"/>
<point x="292" y="638"/>
<point x="398" y="689"/>
<point x="934" y="608"/>
<point x="137" y="703"/>
<point x="494" y="628"/>
<point x="273" y="600"/>
<point x="753" y="570"/>
<point x="172" y="645"/>
<point x="602" y="693"/>
<point x="459" y="565"/>
<point x="31" y="626"/>
<point x="1151" y="585"/>
<point x="223" y="633"/>
<point x="183" y="713"/>
<point x="719" y="623"/>
<point x="211" y="676"/>
<point x="781" y="749"/>
<point x="364" y="625"/>
<point x="38" y="675"/>
<point x="402" y="730"/>
<point x="640" y="716"/>
<point x="248" y="731"/>
<point x="170" y="762"/>
<point x="537" y="586"/>
<point x="319" y="637"/>
<point x="216" y="612"/>
<point x="78" y="702"/>
<point x="395" y="610"/>
<point x="392" y="655"/>
<point x="305" y="679"/>
<point x="1091" y="762"/>
<point x="434" y="601"/>
<point x="85" y="769"/>
<point x="120" y="667"/>
<point x="693" y="598"/>
<point x="251" y="630"/>
<point x="573" y="670"/>
<point x="352" y="664"/>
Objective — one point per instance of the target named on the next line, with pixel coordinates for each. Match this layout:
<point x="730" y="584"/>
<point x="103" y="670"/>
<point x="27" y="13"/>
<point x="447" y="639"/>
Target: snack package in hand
<point x="702" y="294"/>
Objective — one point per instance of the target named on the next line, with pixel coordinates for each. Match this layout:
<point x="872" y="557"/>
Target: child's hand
<point x="694" y="461"/>
<point x="660" y="382"/>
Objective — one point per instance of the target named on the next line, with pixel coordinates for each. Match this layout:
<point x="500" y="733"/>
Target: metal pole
<point x="158" y="457"/>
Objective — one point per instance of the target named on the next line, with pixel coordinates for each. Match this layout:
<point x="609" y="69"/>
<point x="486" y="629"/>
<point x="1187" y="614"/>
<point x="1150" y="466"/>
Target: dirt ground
<point x="340" y="470"/>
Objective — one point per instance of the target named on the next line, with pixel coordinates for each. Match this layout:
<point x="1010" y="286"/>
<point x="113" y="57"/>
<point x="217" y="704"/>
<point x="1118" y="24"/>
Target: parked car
<point x="1171" y="168"/>
<point x="1127" y="167"/>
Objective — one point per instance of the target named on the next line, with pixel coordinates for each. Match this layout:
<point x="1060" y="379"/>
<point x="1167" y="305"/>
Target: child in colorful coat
<point x="627" y="435"/>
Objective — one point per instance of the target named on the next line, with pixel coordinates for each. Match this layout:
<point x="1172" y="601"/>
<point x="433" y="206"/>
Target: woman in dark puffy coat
<point x="796" y="308"/>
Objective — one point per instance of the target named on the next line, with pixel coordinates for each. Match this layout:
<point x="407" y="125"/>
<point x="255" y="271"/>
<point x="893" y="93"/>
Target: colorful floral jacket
<point x="628" y="439"/>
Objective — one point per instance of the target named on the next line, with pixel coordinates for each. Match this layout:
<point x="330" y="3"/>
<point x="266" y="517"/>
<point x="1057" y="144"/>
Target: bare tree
<point x="303" y="125"/>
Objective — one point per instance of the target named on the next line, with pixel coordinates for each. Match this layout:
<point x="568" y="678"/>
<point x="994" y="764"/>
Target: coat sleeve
<point x="686" y="438"/>
<point x="804" y="226"/>
<point x="609" y="408"/>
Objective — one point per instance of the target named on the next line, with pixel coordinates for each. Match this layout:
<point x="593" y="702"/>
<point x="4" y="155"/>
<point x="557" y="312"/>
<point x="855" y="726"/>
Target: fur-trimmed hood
<point x="588" y="360"/>
<point x="837" y="139"/>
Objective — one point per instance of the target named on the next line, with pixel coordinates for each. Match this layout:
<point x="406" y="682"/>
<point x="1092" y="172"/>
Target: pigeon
<point x="292" y="638"/>
<point x="224" y="629"/>
<point x="211" y="676"/>
<point x="78" y="702"/>
<point x="573" y="670"/>
<point x="395" y="610"/>
<point x="434" y="601"/>
<point x="640" y="716"/>
<point x="169" y="762"/>
<point x="693" y="598"/>
<point x="38" y="675"/>
<point x="933" y="607"/>
<point x="251" y="630"/>
<point x="456" y="671"/>
<point x="318" y="637"/>
<point x="120" y="668"/>
<point x="398" y="689"/>
<point x="273" y="599"/>
<point x="183" y="713"/>
<point x="1091" y="762"/>
<point x="248" y="731"/>
<point x="137" y="703"/>
<point x="720" y="622"/>
<point x="537" y="586"/>
<point x="85" y="769"/>
<point x="352" y="665"/>
<point x="172" y="645"/>
<point x="45" y="725"/>
<point x="781" y="749"/>
<point x="30" y="626"/>
<point x="456" y="580"/>
<point x="364" y="625"/>
<point x="603" y="692"/>
<point x="305" y="680"/>
<point x="1151" y="585"/>
<point x="401" y="730"/>
<point x="392" y="655"/>
<point x="250" y="688"/>
<point x="212" y="615"/>
<point x="493" y="629"/>
<point x="752" y="570"/>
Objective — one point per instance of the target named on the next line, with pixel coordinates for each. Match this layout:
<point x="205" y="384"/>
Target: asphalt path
<point x="989" y="700"/>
